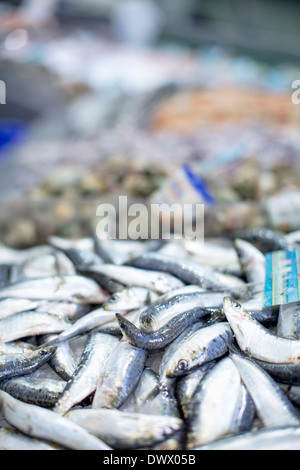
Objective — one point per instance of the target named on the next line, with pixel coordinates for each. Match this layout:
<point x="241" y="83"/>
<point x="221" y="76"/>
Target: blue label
<point x="282" y="284"/>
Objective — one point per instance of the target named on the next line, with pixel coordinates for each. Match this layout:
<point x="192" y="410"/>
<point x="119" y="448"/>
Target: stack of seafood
<point x="163" y="345"/>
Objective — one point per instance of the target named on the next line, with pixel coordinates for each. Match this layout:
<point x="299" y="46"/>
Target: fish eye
<point x="114" y="298"/>
<point x="182" y="365"/>
<point x="237" y="306"/>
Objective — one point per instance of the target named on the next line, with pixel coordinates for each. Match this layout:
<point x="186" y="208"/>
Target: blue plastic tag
<point x="282" y="277"/>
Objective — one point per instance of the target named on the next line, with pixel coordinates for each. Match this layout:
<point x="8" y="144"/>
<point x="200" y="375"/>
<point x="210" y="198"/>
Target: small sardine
<point x="78" y="289"/>
<point x="14" y="440"/>
<point x="190" y="272"/>
<point x="34" y="390"/>
<point x="163" y="310"/>
<point x="122" y="430"/>
<point x="216" y="405"/>
<point x="256" y="341"/>
<point x="287" y="438"/>
<point x="165" y="335"/>
<point x="26" y="324"/>
<point x="63" y="361"/>
<point x="129" y="298"/>
<point x="272" y="406"/>
<point x="13" y="365"/>
<point x="157" y="281"/>
<point x="83" y="383"/>
<point x="203" y="346"/>
<point x="188" y="385"/>
<point x="42" y="423"/>
<point x="121" y="374"/>
<point x="289" y="321"/>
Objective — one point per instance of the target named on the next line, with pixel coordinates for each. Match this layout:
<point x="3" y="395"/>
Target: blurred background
<point x="162" y="101"/>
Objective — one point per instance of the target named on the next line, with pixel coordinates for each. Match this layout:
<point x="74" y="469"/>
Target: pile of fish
<point x="162" y="345"/>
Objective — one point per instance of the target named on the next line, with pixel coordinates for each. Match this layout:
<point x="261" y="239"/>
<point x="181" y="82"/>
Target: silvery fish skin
<point x="63" y="361"/>
<point x="157" y="281"/>
<point x="130" y="298"/>
<point x="287" y="438"/>
<point x="77" y="289"/>
<point x="82" y="257"/>
<point x="13" y="440"/>
<point x="289" y="321"/>
<point x="12" y="365"/>
<point x="252" y="261"/>
<point x="166" y="334"/>
<point x="189" y="272"/>
<point x="34" y="390"/>
<point x="69" y="310"/>
<point x="120" y="376"/>
<point x="171" y="350"/>
<point x="272" y="405"/>
<point x="221" y="258"/>
<point x="84" y="325"/>
<point x="203" y="346"/>
<point x="247" y="412"/>
<point x="266" y="239"/>
<point x="18" y="257"/>
<point x="187" y="386"/>
<point x="52" y="264"/>
<point x="25" y="324"/>
<point x="83" y="383"/>
<point x="216" y="405"/>
<point x="11" y="306"/>
<point x="17" y="347"/>
<point x="123" y="430"/>
<point x="160" y="312"/>
<point x="293" y="393"/>
<point x="42" y="423"/>
<point x="108" y="284"/>
<point x="61" y="243"/>
<point x="256" y="341"/>
<point x="152" y="399"/>
<point x="284" y="373"/>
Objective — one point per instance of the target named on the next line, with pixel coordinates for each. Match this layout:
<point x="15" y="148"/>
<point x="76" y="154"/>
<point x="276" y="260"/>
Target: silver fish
<point x="256" y="341"/>
<point x="287" y="438"/>
<point x="130" y="298"/>
<point x="272" y="405"/>
<point x="11" y="306"/>
<point x="13" y="440"/>
<point x="163" y="310"/>
<point x="37" y="391"/>
<point x="120" y="376"/>
<point x="84" y="325"/>
<point x="289" y="321"/>
<point x="201" y="347"/>
<point x="252" y="261"/>
<point x="152" y="399"/>
<point x="78" y="289"/>
<point x="13" y="365"/>
<point x="84" y="381"/>
<point x="42" y="423"/>
<point x="190" y="272"/>
<point x="123" y="430"/>
<point x="63" y="361"/>
<point x="130" y="276"/>
<point x="25" y="324"/>
<point x="216" y="405"/>
<point x="188" y="385"/>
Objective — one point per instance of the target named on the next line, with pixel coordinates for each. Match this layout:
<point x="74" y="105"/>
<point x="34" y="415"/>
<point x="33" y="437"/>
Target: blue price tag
<point x="282" y="284"/>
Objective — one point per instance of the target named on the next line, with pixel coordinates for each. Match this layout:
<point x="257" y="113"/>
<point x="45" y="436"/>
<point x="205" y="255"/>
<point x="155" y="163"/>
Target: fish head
<point x="178" y="368"/>
<point x="235" y="310"/>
